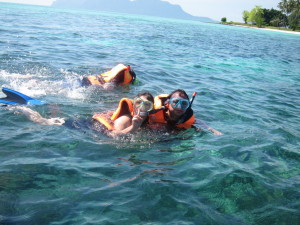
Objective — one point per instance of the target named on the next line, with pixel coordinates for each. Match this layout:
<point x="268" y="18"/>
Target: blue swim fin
<point x="17" y="98"/>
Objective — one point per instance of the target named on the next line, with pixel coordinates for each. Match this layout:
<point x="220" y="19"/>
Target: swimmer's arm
<point x="125" y="124"/>
<point x="37" y="118"/>
<point x="127" y="130"/>
<point x="116" y="133"/>
<point x="214" y="131"/>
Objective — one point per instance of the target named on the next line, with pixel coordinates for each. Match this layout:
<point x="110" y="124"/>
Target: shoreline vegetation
<point x="283" y="30"/>
<point x="286" y="19"/>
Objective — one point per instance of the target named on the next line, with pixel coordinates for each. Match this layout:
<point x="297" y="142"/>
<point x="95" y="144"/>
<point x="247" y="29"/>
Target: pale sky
<point x="214" y="9"/>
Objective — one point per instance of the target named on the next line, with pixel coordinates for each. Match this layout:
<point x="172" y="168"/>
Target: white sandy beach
<point x="283" y="31"/>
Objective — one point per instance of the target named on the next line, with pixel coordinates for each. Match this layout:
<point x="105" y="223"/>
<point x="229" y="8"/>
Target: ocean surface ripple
<point x="248" y="87"/>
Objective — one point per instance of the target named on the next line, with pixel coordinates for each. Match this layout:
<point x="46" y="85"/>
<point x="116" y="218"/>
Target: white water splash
<point x="35" y="85"/>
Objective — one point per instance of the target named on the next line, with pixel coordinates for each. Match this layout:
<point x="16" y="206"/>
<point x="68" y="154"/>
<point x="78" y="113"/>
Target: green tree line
<point x="287" y="16"/>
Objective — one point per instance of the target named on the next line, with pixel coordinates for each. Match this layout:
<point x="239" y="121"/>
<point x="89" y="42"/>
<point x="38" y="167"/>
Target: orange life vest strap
<point x="188" y="123"/>
<point x="158" y="117"/>
<point x="125" y="107"/>
<point x="127" y="77"/>
<point x="94" y="80"/>
<point x="101" y="118"/>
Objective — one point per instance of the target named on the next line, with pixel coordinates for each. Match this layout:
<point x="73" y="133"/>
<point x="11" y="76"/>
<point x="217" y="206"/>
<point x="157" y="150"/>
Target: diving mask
<point x="143" y="106"/>
<point x="179" y="103"/>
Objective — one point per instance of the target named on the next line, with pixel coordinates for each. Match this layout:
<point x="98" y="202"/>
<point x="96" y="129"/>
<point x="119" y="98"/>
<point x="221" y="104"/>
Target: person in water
<point x="120" y="75"/>
<point x="130" y="116"/>
<point x="175" y="111"/>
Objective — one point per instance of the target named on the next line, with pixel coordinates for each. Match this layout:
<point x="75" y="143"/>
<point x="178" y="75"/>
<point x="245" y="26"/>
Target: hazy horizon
<point x="214" y="9"/>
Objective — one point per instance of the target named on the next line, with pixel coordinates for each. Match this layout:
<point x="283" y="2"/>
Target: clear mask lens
<point x="142" y="105"/>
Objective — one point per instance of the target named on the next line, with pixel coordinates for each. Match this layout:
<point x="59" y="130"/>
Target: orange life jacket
<point x="108" y="118"/>
<point x="159" y="117"/>
<point x="120" y="71"/>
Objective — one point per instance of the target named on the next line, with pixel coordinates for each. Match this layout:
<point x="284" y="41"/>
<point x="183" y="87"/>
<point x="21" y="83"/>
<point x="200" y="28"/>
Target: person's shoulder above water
<point x="130" y="115"/>
<point x="175" y="111"/>
<point x="120" y="75"/>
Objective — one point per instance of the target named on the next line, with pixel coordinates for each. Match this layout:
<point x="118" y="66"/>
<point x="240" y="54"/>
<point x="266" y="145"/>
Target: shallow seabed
<point x="248" y="87"/>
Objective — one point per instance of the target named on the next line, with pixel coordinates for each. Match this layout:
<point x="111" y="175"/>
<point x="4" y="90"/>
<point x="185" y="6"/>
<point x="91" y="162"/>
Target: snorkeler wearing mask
<point x="172" y="111"/>
<point x="120" y="75"/>
<point x="175" y="111"/>
<point x="129" y="116"/>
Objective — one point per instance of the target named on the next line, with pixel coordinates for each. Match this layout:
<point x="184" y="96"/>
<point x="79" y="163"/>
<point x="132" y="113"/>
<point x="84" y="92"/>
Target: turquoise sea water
<point x="248" y="87"/>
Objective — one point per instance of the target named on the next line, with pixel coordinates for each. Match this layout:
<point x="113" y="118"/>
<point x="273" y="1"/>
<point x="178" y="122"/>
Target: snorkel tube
<point x="156" y="110"/>
<point x="192" y="99"/>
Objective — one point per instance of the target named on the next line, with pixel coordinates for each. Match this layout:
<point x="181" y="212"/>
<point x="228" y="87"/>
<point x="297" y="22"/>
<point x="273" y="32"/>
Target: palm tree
<point x="291" y="8"/>
<point x="294" y="17"/>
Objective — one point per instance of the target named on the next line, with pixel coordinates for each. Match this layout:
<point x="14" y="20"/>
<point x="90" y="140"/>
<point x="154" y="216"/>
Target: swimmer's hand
<point x="137" y="122"/>
<point x="54" y="121"/>
<point x="214" y="131"/>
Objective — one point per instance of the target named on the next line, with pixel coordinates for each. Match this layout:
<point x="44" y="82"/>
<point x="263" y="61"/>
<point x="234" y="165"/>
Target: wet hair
<point x="147" y="95"/>
<point x="119" y="78"/>
<point x="181" y="92"/>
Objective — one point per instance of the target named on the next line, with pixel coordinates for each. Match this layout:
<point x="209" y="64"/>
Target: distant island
<point x="142" y="7"/>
